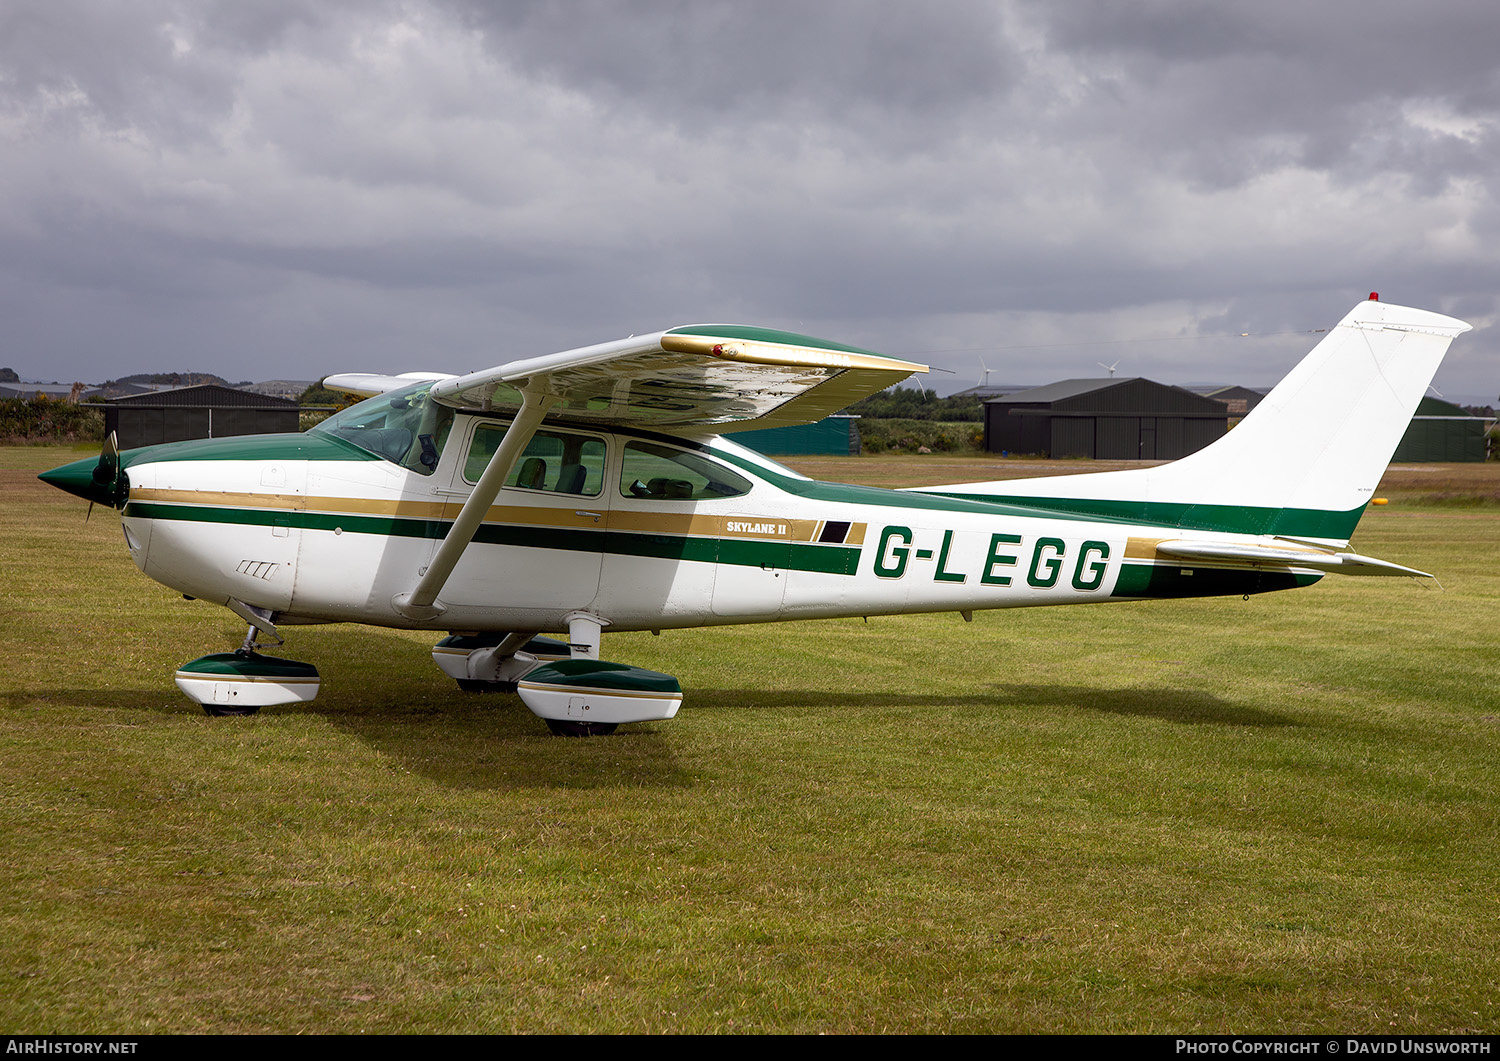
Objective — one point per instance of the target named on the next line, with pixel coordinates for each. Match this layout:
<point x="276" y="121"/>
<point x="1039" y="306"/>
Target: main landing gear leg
<point x="584" y="634"/>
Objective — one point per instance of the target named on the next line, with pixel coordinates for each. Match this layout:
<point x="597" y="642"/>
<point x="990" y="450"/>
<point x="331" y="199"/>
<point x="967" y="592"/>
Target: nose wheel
<point x="235" y="684"/>
<point x="563" y="727"/>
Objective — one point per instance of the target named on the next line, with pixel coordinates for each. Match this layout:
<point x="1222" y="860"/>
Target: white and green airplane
<point x="590" y="491"/>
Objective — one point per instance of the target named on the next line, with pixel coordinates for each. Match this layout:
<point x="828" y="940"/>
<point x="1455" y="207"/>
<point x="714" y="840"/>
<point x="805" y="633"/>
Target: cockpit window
<point x="405" y="427"/>
<point x="657" y="473"/>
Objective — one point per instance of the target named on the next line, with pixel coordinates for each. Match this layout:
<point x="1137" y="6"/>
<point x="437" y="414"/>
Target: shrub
<point x="42" y="420"/>
<point x="909" y="436"/>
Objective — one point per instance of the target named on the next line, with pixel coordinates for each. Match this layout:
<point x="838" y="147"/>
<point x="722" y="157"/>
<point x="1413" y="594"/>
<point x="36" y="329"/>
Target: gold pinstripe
<point x="592" y="690"/>
<point x="563" y="515"/>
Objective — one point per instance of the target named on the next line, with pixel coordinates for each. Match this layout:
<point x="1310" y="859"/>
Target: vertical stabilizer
<point x="1302" y="464"/>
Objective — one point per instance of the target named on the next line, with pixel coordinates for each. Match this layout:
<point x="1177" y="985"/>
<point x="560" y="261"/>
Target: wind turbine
<point x="1108" y="368"/>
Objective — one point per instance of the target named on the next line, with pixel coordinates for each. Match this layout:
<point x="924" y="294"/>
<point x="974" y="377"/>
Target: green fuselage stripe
<point x="798" y="556"/>
<point x="1237" y="519"/>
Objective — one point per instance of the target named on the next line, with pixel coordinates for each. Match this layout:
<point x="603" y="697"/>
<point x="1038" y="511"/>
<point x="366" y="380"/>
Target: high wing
<point x="704" y="378"/>
<point x="709" y="378"/>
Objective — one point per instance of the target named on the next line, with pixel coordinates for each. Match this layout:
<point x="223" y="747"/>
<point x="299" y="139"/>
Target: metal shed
<point x="1238" y="400"/>
<point x="1441" y="431"/>
<point x="204" y="411"/>
<point x="1104" y="419"/>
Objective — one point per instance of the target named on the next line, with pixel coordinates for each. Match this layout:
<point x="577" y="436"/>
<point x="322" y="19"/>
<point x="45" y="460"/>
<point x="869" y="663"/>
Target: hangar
<point x="1442" y="431"/>
<point x="1104" y="419"/>
<point x="203" y="411"/>
<point x="1238" y="400"/>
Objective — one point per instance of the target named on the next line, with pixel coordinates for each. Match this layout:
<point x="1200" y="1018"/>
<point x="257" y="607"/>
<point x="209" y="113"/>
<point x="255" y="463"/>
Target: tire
<point x="474" y="685"/>
<point x="236" y="711"/>
<point x="566" y="728"/>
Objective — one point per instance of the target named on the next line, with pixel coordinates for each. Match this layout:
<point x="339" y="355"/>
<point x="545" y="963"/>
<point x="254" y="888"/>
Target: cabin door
<point x="541" y="544"/>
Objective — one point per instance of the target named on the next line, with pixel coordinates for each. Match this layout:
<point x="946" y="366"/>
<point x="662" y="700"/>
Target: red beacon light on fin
<point x="1374" y="296"/>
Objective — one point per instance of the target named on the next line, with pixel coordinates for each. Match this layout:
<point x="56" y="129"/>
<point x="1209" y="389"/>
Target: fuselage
<point x="646" y="531"/>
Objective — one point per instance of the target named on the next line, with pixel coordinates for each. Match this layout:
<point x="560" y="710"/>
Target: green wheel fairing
<point x="603" y="675"/>
<point x="250" y="665"/>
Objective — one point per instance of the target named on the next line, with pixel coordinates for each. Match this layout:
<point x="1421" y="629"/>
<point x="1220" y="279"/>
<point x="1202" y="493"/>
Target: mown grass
<point x="1270" y="815"/>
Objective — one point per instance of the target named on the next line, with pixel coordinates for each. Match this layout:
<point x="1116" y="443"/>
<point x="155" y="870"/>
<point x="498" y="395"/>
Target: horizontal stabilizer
<point x="1316" y="559"/>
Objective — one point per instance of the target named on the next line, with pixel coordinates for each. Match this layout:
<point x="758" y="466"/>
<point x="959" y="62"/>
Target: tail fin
<point x="1303" y="464"/>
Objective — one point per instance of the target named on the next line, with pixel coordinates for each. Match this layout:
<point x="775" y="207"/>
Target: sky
<point x="1185" y="190"/>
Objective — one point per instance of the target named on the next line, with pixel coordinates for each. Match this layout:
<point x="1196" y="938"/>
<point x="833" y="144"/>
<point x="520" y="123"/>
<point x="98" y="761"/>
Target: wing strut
<point x="421" y="603"/>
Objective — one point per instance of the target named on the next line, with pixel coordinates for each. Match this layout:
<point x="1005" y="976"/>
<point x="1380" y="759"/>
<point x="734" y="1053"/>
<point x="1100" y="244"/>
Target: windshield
<point x="405" y="427"/>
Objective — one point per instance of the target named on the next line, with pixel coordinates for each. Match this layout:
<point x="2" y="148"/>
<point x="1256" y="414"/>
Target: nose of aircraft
<point x="98" y="479"/>
<point x="78" y="478"/>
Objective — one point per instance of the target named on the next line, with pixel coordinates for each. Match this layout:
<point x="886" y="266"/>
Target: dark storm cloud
<point x="1234" y="90"/>
<point x="433" y="183"/>
<point x="700" y="63"/>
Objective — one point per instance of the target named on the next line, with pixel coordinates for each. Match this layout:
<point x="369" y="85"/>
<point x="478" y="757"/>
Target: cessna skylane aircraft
<point x="590" y="490"/>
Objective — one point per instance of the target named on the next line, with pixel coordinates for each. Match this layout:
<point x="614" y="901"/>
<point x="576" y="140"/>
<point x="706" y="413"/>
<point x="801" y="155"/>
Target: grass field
<point x="1273" y="815"/>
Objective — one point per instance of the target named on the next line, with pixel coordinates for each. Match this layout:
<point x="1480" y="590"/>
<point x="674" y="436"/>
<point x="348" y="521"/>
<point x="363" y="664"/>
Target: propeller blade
<point x="108" y="468"/>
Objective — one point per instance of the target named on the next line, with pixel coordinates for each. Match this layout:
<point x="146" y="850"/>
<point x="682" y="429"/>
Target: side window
<point x="658" y="473"/>
<point x="554" y="461"/>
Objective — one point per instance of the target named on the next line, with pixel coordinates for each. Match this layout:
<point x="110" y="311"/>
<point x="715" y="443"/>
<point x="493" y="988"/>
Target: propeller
<point x="100" y="482"/>
<point x="107" y="472"/>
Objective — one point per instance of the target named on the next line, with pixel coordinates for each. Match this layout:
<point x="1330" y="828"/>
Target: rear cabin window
<point x="554" y="461"/>
<point x="658" y="473"/>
